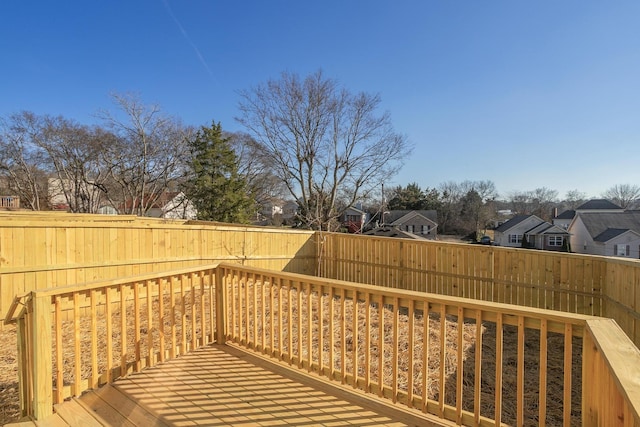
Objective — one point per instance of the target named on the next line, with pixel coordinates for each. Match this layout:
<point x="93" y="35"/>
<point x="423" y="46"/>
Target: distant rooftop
<point x="598" y="223"/>
<point x="597" y="204"/>
<point x="569" y="214"/>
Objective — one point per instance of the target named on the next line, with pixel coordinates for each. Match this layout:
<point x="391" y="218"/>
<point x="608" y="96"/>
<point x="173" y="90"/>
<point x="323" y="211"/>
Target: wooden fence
<point x="583" y="284"/>
<point x="502" y="364"/>
<point x="47" y="250"/>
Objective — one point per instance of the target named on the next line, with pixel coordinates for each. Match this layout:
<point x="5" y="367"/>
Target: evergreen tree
<point x="214" y="185"/>
<point x="410" y="197"/>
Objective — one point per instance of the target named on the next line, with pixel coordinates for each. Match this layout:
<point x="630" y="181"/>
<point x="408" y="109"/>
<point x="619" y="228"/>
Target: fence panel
<point x="592" y="285"/>
<point x="42" y="251"/>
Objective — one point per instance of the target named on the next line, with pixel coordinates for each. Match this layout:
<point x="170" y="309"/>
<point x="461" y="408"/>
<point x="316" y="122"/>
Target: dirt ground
<point x="9" y="400"/>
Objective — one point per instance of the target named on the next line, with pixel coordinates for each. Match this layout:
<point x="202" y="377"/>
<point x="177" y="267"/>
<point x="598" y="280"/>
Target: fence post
<point x="42" y="369"/>
<point x="221" y="312"/>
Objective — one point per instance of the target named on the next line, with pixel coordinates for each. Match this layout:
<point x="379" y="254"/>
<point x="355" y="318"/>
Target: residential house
<point x="172" y="205"/>
<point x="67" y="195"/>
<point x="276" y="209"/>
<point x="423" y="223"/>
<point x="354" y="219"/>
<point x="534" y="231"/>
<point x="595" y="205"/>
<point x="564" y="219"/>
<point x="608" y="233"/>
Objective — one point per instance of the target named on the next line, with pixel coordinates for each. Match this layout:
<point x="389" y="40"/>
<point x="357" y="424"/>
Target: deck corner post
<point x="42" y="353"/>
<point x="220" y="306"/>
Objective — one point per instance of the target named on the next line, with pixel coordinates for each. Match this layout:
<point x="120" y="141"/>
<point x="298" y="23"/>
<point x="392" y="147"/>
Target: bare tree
<point x="145" y="159"/>
<point x="543" y="200"/>
<point x="537" y="202"/>
<point x="23" y="163"/>
<point x="452" y="193"/>
<point x="258" y="169"/>
<point x="476" y="204"/>
<point x="76" y="154"/>
<point x="327" y="144"/>
<point x="623" y="195"/>
<point x="575" y="198"/>
<point x="520" y="201"/>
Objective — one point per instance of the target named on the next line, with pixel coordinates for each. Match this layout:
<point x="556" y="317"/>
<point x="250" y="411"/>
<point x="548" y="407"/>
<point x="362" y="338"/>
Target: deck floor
<point x="223" y="385"/>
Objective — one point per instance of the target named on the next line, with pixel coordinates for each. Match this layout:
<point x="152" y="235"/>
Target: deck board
<point x="224" y="385"/>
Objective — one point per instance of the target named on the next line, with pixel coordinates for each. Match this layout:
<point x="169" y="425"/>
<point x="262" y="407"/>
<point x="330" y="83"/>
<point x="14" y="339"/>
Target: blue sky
<point x="526" y="94"/>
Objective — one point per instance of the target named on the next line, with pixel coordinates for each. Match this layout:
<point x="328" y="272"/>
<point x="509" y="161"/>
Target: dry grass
<point x="9" y="400"/>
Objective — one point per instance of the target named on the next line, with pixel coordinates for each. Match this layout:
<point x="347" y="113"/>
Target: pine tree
<point x="214" y="185"/>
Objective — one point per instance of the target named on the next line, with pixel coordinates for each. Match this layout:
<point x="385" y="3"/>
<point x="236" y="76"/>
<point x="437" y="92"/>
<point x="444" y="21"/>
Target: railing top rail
<point x="18" y="300"/>
<point x="509" y="309"/>
<point x="115" y="282"/>
<point x="622" y="357"/>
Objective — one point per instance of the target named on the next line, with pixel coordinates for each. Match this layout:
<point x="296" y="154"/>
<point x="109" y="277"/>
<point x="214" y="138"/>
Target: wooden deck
<point x="224" y="385"/>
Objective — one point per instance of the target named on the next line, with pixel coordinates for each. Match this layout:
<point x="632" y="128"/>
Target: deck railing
<point x="9" y="202"/>
<point x="470" y="362"/>
<point x="77" y="338"/>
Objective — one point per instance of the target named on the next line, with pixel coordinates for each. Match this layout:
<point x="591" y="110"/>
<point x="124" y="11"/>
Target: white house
<point x="172" y="205"/>
<point x="512" y="232"/>
<point x="534" y="231"/>
<point x="606" y="233"/>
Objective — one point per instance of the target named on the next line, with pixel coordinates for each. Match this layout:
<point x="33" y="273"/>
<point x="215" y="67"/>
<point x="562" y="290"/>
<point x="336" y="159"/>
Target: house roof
<point x="546" y="228"/>
<point x="387" y="231"/>
<point x="513" y="222"/>
<point x="354" y="209"/>
<point x="395" y="216"/>
<point x="609" y="234"/>
<point x="598" y="223"/>
<point x="597" y="204"/>
<point x="568" y="214"/>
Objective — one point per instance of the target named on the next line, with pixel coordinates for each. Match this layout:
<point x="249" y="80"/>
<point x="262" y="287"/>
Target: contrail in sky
<point x="186" y="36"/>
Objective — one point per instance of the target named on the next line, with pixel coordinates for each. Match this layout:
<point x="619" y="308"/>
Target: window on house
<point x="353" y="218"/>
<point x="515" y="238"/>
<point x="621" y="250"/>
<point x="426" y="229"/>
<point x="410" y="228"/>
<point x="555" y="240"/>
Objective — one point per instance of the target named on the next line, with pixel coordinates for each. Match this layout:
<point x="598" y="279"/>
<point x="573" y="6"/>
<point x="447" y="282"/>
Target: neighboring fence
<point x="584" y="284"/>
<point x="44" y="250"/>
<point x="555" y="368"/>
